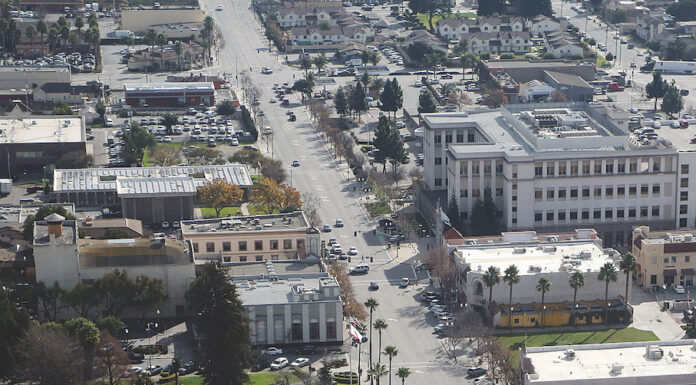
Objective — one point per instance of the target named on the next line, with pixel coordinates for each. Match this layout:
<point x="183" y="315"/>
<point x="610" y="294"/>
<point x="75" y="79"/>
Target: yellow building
<point x="664" y="257"/>
<point x="561" y="314"/>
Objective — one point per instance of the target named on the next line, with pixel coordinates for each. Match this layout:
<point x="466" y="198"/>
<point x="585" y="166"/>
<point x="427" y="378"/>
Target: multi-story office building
<point x="560" y="166"/>
<point x="664" y="257"/>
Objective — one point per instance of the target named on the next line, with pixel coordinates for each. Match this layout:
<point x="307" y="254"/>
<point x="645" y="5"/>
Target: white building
<point x="562" y="44"/>
<point x="293" y="311"/>
<point x="60" y="256"/>
<point x="649" y="26"/>
<point x="535" y="90"/>
<point x="453" y="29"/>
<point x="290" y="16"/>
<point x="634" y="363"/>
<point x="554" y="256"/>
<point x="309" y="36"/>
<point x="498" y="42"/>
<point x="560" y="167"/>
<point x="543" y="24"/>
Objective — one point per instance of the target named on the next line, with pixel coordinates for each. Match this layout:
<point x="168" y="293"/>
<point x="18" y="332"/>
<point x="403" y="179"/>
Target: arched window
<point x="478" y="287"/>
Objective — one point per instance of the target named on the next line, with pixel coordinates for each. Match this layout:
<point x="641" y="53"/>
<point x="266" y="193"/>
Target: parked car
<point x="374" y="285"/>
<point x="300" y="362"/>
<point x="439" y="329"/>
<point x="279" y="363"/>
<point x="326" y="228"/>
<point x="339" y="223"/>
<point x="273" y="351"/>
<point x="679" y="289"/>
<point x="352" y="251"/>
<point x="475" y="372"/>
<point x="359" y="269"/>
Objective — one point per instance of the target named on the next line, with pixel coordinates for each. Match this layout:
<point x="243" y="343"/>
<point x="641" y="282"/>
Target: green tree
<point x="150" y="39"/>
<point x="672" y="101"/>
<point x="380" y="325"/>
<point x="656" y="88"/>
<point x="74" y="159"/>
<point x="93" y="37"/>
<point x="225" y="353"/>
<point x="418" y="50"/>
<point x="377" y="371"/>
<point x="576" y="281"/>
<point x="136" y="142"/>
<point x="13" y="323"/>
<point x="110" y="324"/>
<point x="176" y="365"/>
<point x="320" y="61"/>
<point x="608" y="274"/>
<point x="62" y="108"/>
<point x="41" y="28"/>
<point x="426" y="102"/>
<point x="148" y="293"/>
<point x="226" y="107"/>
<point x="491" y="278"/>
<point x="675" y="50"/>
<point x="43" y="212"/>
<point x="178" y="48"/>
<point x="83" y="298"/>
<point x="324" y="376"/>
<point x="490" y="7"/>
<point x="609" y="56"/>
<point x="31" y="33"/>
<point x="168" y="121"/>
<point x="101" y="110"/>
<point x="341" y="103"/>
<point x="543" y="285"/>
<point x="387" y="98"/>
<point x="403" y="374"/>
<point x="112" y="359"/>
<point x="484" y="216"/>
<point x="117" y="292"/>
<point x="628" y="265"/>
<point x="304" y="87"/>
<point x="306" y="63"/>
<point x="512" y="278"/>
<point x="383" y="141"/>
<point x="683" y="10"/>
<point x="87" y="335"/>
<point x="375" y="58"/>
<point x="532" y="8"/>
<point x="454" y="215"/>
<point x="161" y="41"/>
<point x="79" y="23"/>
<point x="391" y="352"/>
<point x="371" y="304"/>
<point x="357" y="99"/>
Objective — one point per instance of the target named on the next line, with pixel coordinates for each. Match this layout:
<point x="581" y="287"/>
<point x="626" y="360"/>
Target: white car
<point x="279" y="363"/>
<point x="679" y="289"/>
<point x="274" y="351"/>
<point x="353" y="251"/>
<point x="300" y="362"/>
<point x="219" y="8"/>
<point x="109" y="122"/>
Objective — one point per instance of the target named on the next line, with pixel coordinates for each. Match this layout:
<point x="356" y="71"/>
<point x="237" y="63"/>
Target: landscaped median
<point x="261" y="378"/>
<point x="516" y="341"/>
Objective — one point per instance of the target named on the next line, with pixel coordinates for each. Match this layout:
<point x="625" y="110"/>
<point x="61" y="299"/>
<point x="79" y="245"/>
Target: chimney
<point x="55" y="224"/>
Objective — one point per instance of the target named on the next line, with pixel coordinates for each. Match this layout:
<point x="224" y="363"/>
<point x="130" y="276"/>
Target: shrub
<point x="507" y="55"/>
<point x="485" y="56"/>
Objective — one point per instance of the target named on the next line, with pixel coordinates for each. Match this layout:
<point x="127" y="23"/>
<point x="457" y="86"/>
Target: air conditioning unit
<point x="570" y="354"/>
<point x="616" y="368"/>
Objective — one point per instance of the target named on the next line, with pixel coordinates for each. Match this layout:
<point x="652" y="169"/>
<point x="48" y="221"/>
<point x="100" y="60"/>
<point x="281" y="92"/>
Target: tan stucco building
<point x="141" y="20"/>
<point x="253" y="238"/>
<point x="666" y="257"/>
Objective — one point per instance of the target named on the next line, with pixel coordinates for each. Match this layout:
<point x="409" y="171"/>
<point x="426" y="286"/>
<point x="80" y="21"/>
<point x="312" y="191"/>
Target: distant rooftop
<point x="503" y="64"/>
<point x="132" y="252"/>
<point x="635" y="363"/>
<point x="280" y="269"/>
<point x="42" y="237"/>
<point x="148" y="180"/>
<point x="293" y="222"/>
<point x="41" y="129"/>
<point x="169" y="87"/>
<point x="264" y="292"/>
<point x="654" y="237"/>
<point x="551" y="253"/>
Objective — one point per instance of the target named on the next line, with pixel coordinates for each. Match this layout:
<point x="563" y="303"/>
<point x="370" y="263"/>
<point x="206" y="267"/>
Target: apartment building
<point x="253" y="238"/>
<point x="664" y="257"/>
<point x="316" y="36"/>
<point x="562" y="44"/>
<point x="498" y="42"/>
<point x="453" y="29"/>
<point x="559" y="167"/>
<point x="291" y="16"/>
<point x="649" y="26"/>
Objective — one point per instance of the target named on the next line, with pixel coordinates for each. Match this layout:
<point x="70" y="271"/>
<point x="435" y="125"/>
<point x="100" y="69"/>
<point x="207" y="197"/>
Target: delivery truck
<point x="5" y="186"/>
<point x="675" y="67"/>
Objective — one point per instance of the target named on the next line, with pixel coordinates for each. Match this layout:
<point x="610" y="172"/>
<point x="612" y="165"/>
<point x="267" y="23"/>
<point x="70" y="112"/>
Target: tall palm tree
<point x="178" y="48"/>
<point x="543" y="285"/>
<point x="161" y="42"/>
<point x="320" y="61"/>
<point x="608" y="274"/>
<point x="150" y="39"/>
<point x="92" y="36"/>
<point x="576" y="281"/>
<point x="65" y="33"/>
<point x="52" y="37"/>
<point x="403" y="373"/>
<point x="41" y="28"/>
<point x="511" y="277"/>
<point x="377" y="372"/>
<point x="371" y="304"/>
<point x="375" y="58"/>
<point x="305" y="63"/>
<point x="31" y="33"/>
<point x="628" y="265"/>
<point x="365" y="80"/>
<point x="491" y="278"/>
<point x="378" y="84"/>
<point x="79" y="23"/>
<point x="74" y="39"/>
<point x="380" y="325"/>
<point x="390" y="351"/>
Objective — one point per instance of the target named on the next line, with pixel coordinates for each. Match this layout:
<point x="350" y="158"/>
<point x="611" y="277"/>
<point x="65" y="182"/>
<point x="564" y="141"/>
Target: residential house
<point x="453" y="29"/>
<point x="65" y="92"/>
<point x="543" y="24"/>
<point x="562" y="44"/>
<point x="313" y="36"/>
<point x="498" y="42"/>
<point x="649" y="27"/>
<point x="291" y="16"/>
<point x="427" y="38"/>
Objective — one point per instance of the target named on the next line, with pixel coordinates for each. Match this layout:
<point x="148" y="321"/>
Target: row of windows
<point x="242" y="245"/>
<point x="476" y="169"/>
<point x="587" y="214"/>
<point x="674" y="259"/>
<point x="596" y="192"/>
<point x="610" y="166"/>
<point x="470" y="138"/>
<point x="475" y="193"/>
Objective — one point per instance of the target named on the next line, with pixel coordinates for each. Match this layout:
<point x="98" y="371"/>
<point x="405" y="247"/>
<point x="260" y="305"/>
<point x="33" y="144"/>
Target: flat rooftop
<point x="264" y="292"/>
<point x="40" y="129"/>
<point x="655" y="237"/>
<point x="132" y="252"/>
<point x="169" y="87"/>
<point x="282" y="269"/>
<point x="42" y="237"/>
<point x="533" y="255"/>
<point x="289" y="222"/>
<point x="503" y="64"/>
<point x="670" y="362"/>
<point x="154" y="179"/>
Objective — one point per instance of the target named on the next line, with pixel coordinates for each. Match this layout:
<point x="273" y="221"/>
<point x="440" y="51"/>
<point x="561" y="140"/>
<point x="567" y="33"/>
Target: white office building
<point x="561" y="166"/>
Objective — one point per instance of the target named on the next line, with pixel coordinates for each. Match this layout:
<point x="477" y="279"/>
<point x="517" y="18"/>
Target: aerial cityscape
<point x="319" y="192"/>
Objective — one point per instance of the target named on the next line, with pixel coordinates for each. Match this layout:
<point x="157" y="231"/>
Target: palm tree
<point x="320" y="61"/>
<point x="176" y="365"/>
<point x="93" y="37"/>
<point x="392" y="352"/>
<point x="380" y="325"/>
<point x="161" y="42"/>
<point x="168" y="120"/>
<point x="490" y="279"/>
<point x="403" y="373"/>
<point x="31" y="33"/>
<point x="305" y="63"/>
<point x="150" y="39"/>
<point x="79" y="23"/>
<point x="378" y="84"/>
<point x="52" y="36"/>
<point x="377" y="372"/>
<point x="628" y="265"/>
<point x="375" y="58"/>
<point x="178" y="48"/>
<point x="41" y="28"/>
<point x="543" y="285"/>
<point x="371" y="304"/>
<point x="607" y="273"/>
<point x="511" y="277"/>
<point x="74" y="39"/>
<point x="365" y="80"/>
<point x="576" y="281"/>
<point x="65" y="33"/>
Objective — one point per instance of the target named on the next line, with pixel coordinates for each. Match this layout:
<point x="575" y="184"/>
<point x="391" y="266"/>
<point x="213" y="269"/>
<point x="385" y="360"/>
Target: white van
<point x="359" y="269"/>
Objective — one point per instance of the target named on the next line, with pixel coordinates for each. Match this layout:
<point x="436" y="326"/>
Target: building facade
<point x="555" y="168"/>
<point x="140" y="20"/>
<point x="253" y="238"/>
<point x="664" y="257"/>
<point x="144" y="95"/>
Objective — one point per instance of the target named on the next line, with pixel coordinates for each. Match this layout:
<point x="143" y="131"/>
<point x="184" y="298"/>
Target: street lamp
<point x="664" y="297"/>
<point x="149" y="327"/>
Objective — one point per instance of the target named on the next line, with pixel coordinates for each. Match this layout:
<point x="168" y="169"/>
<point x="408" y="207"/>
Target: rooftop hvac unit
<point x="586" y="254"/>
<point x="519" y="250"/>
<point x="570" y="354"/>
<point x="688" y="237"/>
<point x="552" y="238"/>
<point x="550" y="249"/>
<point x="654" y="352"/>
<point x="535" y="268"/>
<point x="616" y="368"/>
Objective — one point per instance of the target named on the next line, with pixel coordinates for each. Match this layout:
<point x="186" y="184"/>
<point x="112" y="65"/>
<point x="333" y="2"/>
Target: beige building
<point x="665" y="257"/>
<point x="252" y="238"/>
<point x="140" y="20"/>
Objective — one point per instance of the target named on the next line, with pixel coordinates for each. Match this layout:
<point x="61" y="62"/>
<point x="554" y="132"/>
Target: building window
<point x="585" y="214"/>
<point x="683" y="209"/>
<point x="331" y="329"/>
<point x="656" y="190"/>
<point x="585" y="167"/>
<point x="460" y="138"/>
<point x="561" y="193"/>
<point x="438" y="161"/>
<point x="537" y="194"/>
<point x="656" y="211"/>
<point x="597" y="167"/>
<point x="226" y="246"/>
<point x="499" y="192"/>
<point x="550" y="194"/>
<point x="682" y="222"/>
<point x="609" y="168"/>
<point x="621" y="191"/>
<point x="621" y="168"/>
<point x="684" y="182"/>
<point x="274" y="244"/>
<point x="243" y="258"/>
<point x="683" y="196"/>
<point x="470" y="137"/>
<point x="654" y="259"/>
<point x="259" y="258"/>
<point x="258" y="245"/>
<point x="684" y="168"/>
<point x="573" y="215"/>
<point x="195" y="247"/>
<point x="632" y="191"/>
<point x="562" y="215"/>
<point x="633" y="167"/>
<point x="598" y="192"/>
<point x="550" y="169"/>
<point x="498" y="169"/>
<point x="538" y="169"/>
<point x="573" y="168"/>
<point x="475" y="193"/>
<point x="644" y="190"/>
<point x="438" y="181"/>
<point x="687" y="258"/>
<point x="296" y="330"/>
<point x="653" y="279"/>
<point x="537" y="217"/>
<point x="314" y="329"/>
<point x="448" y="138"/>
<point x="438" y="139"/>
<point x="597" y="214"/>
<point x="242" y="246"/>
<point x="608" y="213"/>
<point x="632" y="212"/>
<point x="562" y="169"/>
<point x="573" y="193"/>
<point x="674" y="259"/>
<point x="210" y="247"/>
<point x="287" y="244"/>
<point x="609" y="192"/>
<point x="300" y="243"/>
<point x="549" y="216"/>
<point x="619" y="213"/>
<point x="585" y="192"/>
<point x="656" y="164"/>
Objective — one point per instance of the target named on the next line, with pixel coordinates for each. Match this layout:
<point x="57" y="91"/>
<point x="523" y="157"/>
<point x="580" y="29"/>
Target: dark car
<point x="188" y="368"/>
<point x="385" y="222"/>
<point x="475" y="372"/>
<point x="292" y="118"/>
<point x="136" y="358"/>
<point x="33" y="189"/>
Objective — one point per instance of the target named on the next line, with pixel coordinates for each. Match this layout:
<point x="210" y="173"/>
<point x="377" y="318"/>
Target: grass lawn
<point x="515" y="341"/>
<point x="174" y="145"/>
<point x="209" y="212"/>
<point x="378" y="208"/>
<point x="259" y="210"/>
<point x="190" y="380"/>
<point x="602" y="62"/>
<point x="423" y="17"/>
<point x="268" y="378"/>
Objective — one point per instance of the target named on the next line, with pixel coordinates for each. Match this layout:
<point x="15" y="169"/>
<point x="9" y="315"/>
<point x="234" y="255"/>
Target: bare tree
<point x="352" y="305"/>
<point x="445" y="269"/>
<point x="112" y="359"/>
<point x="310" y="206"/>
<point x="164" y="156"/>
<point x="50" y="357"/>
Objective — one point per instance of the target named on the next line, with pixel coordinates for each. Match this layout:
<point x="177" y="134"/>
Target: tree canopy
<point x="656" y="88"/>
<point x="43" y="212"/>
<point x="13" y="322"/>
<point x="219" y="194"/>
<point x="426" y="102"/>
<point x="136" y="142"/>
<point x="672" y="101"/>
<point x="484" y="216"/>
